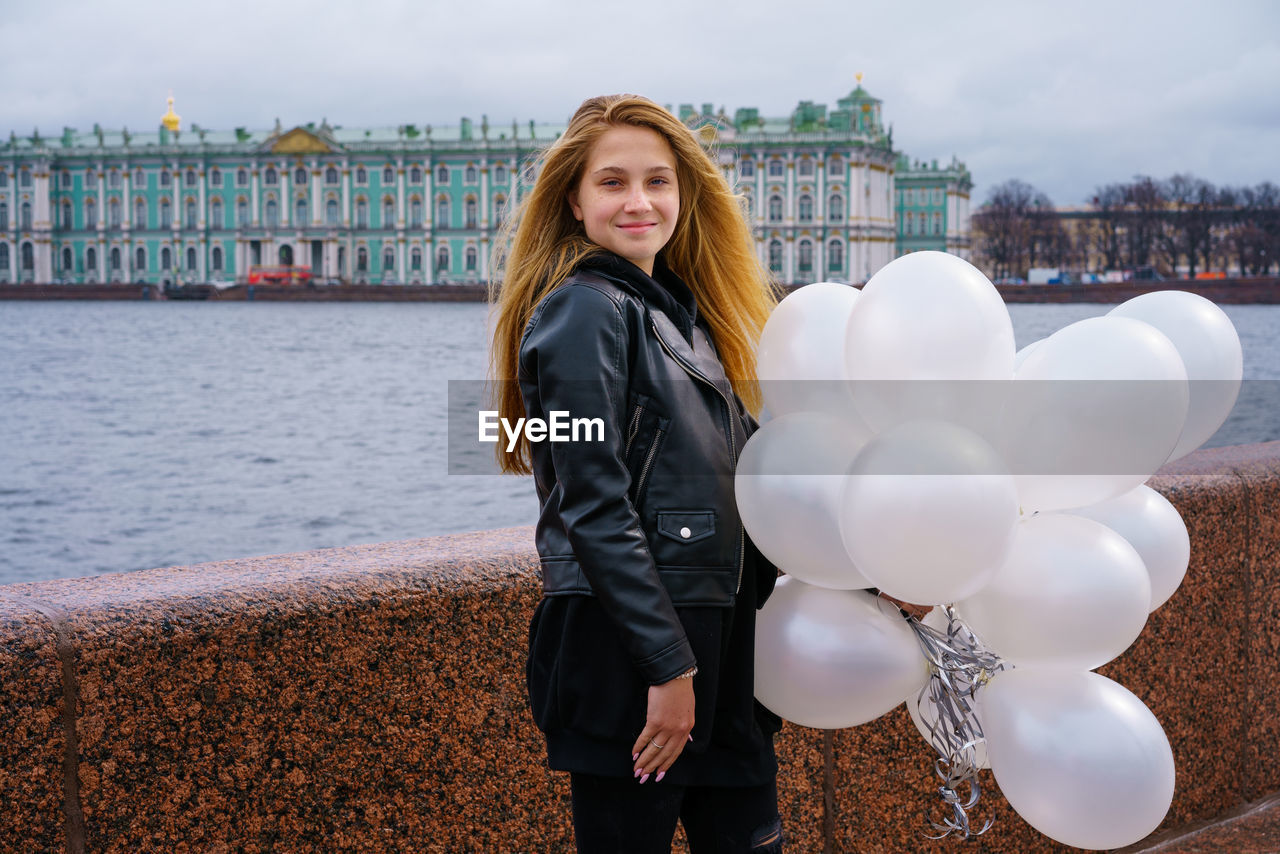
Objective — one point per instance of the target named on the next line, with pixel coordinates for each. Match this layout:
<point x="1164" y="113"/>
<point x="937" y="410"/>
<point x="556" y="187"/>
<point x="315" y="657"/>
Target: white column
<point x="316" y="202"/>
<point x="821" y="188"/>
<point x="789" y="194"/>
<point x="253" y="195"/>
<point x="201" y="196"/>
<point x="346" y="203"/>
<point x="484" y="197"/>
<point x="286" y="196"/>
<point x="402" y="272"/>
<point x="400" y="201"/>
<point x="484" y="259"/>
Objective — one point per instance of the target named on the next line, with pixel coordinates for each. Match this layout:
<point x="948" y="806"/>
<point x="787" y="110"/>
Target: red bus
<point x="286" y="275"/>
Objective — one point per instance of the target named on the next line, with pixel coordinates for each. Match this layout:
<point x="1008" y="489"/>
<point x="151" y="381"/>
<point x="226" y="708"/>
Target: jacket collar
<point x="664" y="289"/>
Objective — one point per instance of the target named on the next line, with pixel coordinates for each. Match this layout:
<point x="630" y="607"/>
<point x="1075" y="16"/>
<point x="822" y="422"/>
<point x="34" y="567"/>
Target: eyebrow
<point x="619" y="170"/>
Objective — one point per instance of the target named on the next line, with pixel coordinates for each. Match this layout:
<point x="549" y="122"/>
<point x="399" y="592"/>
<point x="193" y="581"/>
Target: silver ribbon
<point x="959" y="665"/>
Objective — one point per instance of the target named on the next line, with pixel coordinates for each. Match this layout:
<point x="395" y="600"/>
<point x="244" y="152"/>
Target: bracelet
<point x="689" y="674"/>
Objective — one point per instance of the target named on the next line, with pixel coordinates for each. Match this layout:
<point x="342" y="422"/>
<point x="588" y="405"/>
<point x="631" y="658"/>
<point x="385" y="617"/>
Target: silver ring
<point x="655" y="744"/>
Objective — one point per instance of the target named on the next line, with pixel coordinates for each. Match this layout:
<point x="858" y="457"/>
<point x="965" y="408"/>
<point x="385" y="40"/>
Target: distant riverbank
<point x="1251" y="291"/>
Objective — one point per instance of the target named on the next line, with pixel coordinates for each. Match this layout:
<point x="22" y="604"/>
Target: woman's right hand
<point x="668" y="723"/>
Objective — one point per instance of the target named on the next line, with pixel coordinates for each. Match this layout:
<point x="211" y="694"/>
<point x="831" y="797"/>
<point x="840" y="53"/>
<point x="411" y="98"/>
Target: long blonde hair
<point x="711" y="249"/>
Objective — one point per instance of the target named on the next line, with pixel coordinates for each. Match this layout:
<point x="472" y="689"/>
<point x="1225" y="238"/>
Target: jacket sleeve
<point x="574" y="359"/>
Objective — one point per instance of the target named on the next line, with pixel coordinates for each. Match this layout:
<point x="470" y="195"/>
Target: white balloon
<point x="1093" y="412"/>
<point x="1073" y="593"/>
<point x="1153" y="526"/>
<point x="924" y="714"/>
<point x="1210" y="348"/>
<point x="1021" y="356"/>
<point x="831" y="659"/>
<point x="800" y="358"/>
<point x="926" y="316"/>
<point x="789" y="482"/>
<point x="1078" y="756"/>
<point x="929" y="512"/>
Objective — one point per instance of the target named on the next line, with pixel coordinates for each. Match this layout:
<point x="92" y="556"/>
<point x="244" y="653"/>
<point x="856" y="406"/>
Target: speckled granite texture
<point x="372" y="699"/>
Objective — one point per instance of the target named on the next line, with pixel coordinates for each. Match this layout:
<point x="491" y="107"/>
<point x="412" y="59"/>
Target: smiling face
<point x="627" y="199"/>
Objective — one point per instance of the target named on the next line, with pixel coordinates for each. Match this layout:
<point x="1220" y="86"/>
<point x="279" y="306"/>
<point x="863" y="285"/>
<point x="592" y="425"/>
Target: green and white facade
<point x="421" y="204"/>
<point x="932" y="206"/>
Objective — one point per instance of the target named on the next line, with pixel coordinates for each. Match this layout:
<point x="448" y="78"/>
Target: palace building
<point x="828" y="197"/>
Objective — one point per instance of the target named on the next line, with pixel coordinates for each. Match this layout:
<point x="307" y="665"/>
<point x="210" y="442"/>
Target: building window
<point x="442" y="175"/>
<point x="115" y="258"/>
<point x="215" y="214"/>
<point x="90" y="258"/>
<point x="113" y="179"/>
<point x="388" y="259"/>
<point x="4" y="217"/>
<point x="775" y="256"/>
<point x="342" y="261"/>
<point x="362" y="176"/>
<point x="191" y="177"/>
<point x="90" y="179"/>
<point x="242" y="212"/>
<point x="775" y="208"/>
<point x="362" y="259"/>
<point x="139" y="259"/>
<point x="806" y="167"/>
<point x="4" y="181"/>
<point x="190" y="213"/>
<point x="270" y="177"/>
<point x="500" y="174"/>
<point x="166" y="214"/>
<point x="300" y="212"/>
<point x="25" y="179"/>
<point x="442" y="259"/>
<point x="66" y="178"/>
<point x="331" y="212"/>
<point x="805" y="208"/>
<point x="415" y="213"/>
<point x="471" y="212"/>
<point x="4" y="255"/>
<point x="415" y="259"/>
<point x="24" y="216"/>
<point x="471" y="259"/>
<point x="362" y="213"/>
<point x="68" y="262"/>
<point x="29" y="257"/>
<point x="166" y="259"/>
<point x="747" y="167"/>
<point x="215" y="258"/>
<point x="806" y="256"/>
<point x="835" y="165"/>
<point x="499" y="207"/>
<point x="835" y="255"/>
<point x="139" y="212"/>
<point x="937" y="222"/>
<point x="415" y="175"/>
<point x="191" y="259"/>
<point x="388" y="213"/>
<point x="113" y="213"/>
<point x="442" y="212"/>
<point x="388" y="176"/>
<point x="909" y="220"/>
<point x="300" y="176"/>
<point x="90" y="214"/>
<point x="775" y="168"/>
<point x="331" y="175"/>
<point x="215" y="177"/>
<point x="835" y="208"/>
<point x="242" y="177"/>
<point x="470" y="176"/>
<point x="165" y="178"/>
<point x="273" y="213"/>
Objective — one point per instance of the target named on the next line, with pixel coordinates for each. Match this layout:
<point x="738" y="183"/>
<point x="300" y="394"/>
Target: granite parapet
<point x="372" y="698"/>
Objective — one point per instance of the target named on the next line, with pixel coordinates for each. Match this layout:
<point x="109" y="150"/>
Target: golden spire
<point x="858" y="78"/>
<point x="170" y="119"/>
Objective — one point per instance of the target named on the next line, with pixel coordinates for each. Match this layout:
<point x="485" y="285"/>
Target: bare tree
<point x="1015" y="227"/>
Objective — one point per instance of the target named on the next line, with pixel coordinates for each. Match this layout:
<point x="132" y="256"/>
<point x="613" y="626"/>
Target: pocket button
<point x="685" y="532"/>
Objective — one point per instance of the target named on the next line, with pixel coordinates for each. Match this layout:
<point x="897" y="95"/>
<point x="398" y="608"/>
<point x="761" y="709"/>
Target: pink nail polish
<point x="635" y="756"/>
<point x="661" y="774"/>
<point x="691" y="736"/>
<point x="642" y="779"/>
<point x="639" y="771"/>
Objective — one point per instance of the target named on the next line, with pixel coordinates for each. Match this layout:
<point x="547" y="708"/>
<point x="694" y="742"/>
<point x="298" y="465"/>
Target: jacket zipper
<point x="648" y="461"/>
<point x="633" y="429"/>
<point x="733" y="436"/>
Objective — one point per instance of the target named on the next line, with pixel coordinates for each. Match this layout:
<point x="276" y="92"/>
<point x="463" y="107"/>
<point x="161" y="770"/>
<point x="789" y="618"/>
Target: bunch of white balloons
<point x="911" y="449"/>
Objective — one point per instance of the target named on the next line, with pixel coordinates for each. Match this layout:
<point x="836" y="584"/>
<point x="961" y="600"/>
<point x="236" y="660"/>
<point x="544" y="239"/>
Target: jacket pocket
<point x="689" y="539"/>
<point x="687" y="526"/>
<point x="646" y="428"/>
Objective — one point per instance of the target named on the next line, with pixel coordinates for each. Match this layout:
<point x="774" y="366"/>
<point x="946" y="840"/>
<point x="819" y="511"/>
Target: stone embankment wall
<point x="372" y="699"/>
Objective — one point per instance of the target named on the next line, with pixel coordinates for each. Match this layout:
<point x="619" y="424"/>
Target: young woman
<point x="632" y="294"/>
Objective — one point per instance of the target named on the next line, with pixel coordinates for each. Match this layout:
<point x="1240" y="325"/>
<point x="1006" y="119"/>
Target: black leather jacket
<point x="644" y="520"/>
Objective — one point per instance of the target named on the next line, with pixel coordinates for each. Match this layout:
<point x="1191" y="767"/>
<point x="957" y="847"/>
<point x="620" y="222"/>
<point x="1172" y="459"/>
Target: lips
<point x="637" y="227"/>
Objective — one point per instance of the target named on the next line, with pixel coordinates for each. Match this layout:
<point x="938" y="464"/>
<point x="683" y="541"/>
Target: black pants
<point x="614" y="815"/>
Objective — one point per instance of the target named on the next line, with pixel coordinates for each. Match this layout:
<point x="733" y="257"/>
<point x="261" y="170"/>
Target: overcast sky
<point x="1063" y="95"/>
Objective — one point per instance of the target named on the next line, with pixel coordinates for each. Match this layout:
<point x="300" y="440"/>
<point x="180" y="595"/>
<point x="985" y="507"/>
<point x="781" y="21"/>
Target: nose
<point x="638" y="201"/>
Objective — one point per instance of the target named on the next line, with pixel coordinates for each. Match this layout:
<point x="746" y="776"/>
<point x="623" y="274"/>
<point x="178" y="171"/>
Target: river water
<point x="138" y="434"/>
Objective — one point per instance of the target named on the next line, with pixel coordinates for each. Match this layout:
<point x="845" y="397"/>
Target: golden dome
<point x="170" y="119"/>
